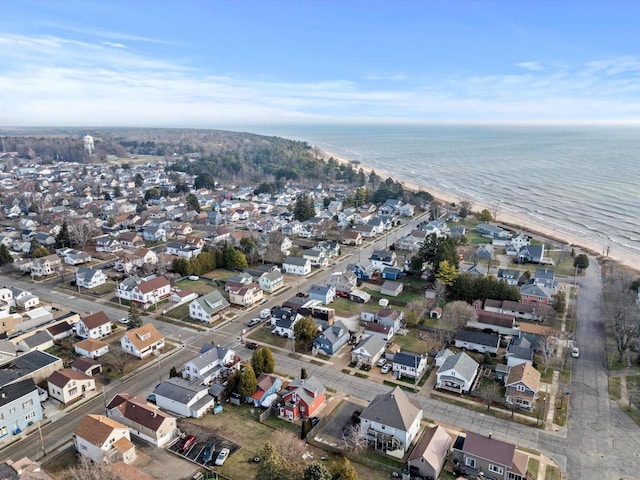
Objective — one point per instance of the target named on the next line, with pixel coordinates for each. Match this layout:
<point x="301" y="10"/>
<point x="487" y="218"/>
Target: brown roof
<point x="520" y="461"/>
<point x="123" y="444"/>
<point x="266" y="381"/>
<point x="59" y="328"/>
<point x="95" y="429"/>
<point x="490" y="449"/>
<point x="84" y="363"/>
<point x="433" y="446"/>
<point x="136" y="336"/>
<point x="526" y="374"/>
<point x="153" y="284"/>
<point x="61" y="377"/>
<point x="138" y="411"/>
<point x="494" y="318"/>
<point x="122" y="471"/>
<point x="95" y="320"/>
<point x="90" y="344"/>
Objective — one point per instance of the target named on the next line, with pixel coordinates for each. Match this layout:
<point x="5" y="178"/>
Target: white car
<point x="123" y="320"/>
<point x="575" y="353"/>
<point x="222" y="456"/>
<point x="381" y="362"/>
<point x="386" y="368"/>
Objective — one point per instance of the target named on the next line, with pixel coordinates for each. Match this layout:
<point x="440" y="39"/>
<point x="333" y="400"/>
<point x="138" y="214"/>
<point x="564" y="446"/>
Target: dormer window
<point x="145" y="336"/>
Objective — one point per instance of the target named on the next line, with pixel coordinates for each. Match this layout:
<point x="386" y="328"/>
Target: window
<point x="520" y="388"/>
<point x="12" y="410"/>
<point x="27" y="404"/>
<point x="30" y="415"/>
<point x="496" y="469"/>
<point x="470" y="462"/>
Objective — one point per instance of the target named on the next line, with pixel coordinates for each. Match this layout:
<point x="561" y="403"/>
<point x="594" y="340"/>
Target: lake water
<point x="582" y="180"/>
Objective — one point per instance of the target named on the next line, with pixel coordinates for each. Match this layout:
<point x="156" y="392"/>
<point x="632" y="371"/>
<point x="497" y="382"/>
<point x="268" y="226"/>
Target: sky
<point x="222" y="64"/>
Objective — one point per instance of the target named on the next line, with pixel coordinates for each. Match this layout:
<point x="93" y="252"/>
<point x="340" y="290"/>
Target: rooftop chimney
<point x="490" y="434"/>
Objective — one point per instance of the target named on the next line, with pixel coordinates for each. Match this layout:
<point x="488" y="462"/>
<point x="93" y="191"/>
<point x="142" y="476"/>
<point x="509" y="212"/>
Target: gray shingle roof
<point x="179" y="390"/>
<point x="392" y="409"/>
<point x="479" y="338"/>
<point x="461" y="363"/>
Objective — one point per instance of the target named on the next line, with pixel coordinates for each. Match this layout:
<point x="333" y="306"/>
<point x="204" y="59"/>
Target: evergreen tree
<point x="343" y="470"/>
<point x="303" y="373"/>
<point x="304" y="208"/>
<point x="193" y="203"/>
<point x="174" y="372"/>
<point x="63" y="239"/>
<point x="247" y="382"/>
<point x="316" y="471"/>
<point x="262" y="361"/>
<point x="5" y="256"/>
<point x="135" y="320"/>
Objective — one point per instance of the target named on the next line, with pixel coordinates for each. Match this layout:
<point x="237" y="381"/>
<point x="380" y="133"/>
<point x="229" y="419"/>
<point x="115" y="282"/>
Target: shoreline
<point x="514" y="222"/>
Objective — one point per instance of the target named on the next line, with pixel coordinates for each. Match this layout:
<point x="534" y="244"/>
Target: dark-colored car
<point x="252" y="345"/>
<point x="314" y="421"/>
<point x="186" y="442"/>
<point x="207" y="455"/>
<point x="151" y="398"/>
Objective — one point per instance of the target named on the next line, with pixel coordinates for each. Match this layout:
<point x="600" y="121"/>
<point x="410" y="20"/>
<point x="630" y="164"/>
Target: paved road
<point x="602" y="441"/>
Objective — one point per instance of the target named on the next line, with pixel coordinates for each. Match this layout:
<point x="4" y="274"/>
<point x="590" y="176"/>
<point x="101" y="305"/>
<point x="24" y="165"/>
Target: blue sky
<point x="222" y="64"/>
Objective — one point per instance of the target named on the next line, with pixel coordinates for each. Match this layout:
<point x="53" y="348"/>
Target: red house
<point x="303" y="398"/>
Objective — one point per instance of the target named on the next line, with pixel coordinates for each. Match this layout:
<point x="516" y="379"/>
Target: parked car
<point x="151" y="398"/>
<point x="381" y="362"/>
<point x="207" y="455"/>
<point x="252" y="345"/>
<point x="253" y="322"/>
<point x="265" y="313"/>
<point x="186" y="442"/>
<point x="386" y="368"/>
<point x="575" y="353"/>
<point x="123" y="320"/>
<point x="222" y="456"/>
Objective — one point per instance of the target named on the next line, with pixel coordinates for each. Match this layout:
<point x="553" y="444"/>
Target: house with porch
<point x="108" y="245"/>
<point x="188" y="399"/>
<point x="409" y="365"/>
<point x="212" y="363"/>
<point x="457" y="373"/>
<point x="332" y="338"/>
<point x="522" y="385"/>
<point x="391" y="422"/>
<point x="245" y="295"/>
<point x="271" y="281"/>
<point x="296" y="266"/>
<point x="302" y="398"/>
<point x="209" y="307"/>
<point x="96" y="325"/>
<point x="369" y="350"/>
<point x="267" y="385"/>
<point x="46" y="266"/>
<point x="103" y="440"/>
<point x="66" y="385"/>
<point x="90" y="277"/>
<point x="91" y="348"/>
<point x="383" y="258"/>
<point x="151" y="291"/>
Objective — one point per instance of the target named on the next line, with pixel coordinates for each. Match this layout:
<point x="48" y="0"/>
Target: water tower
<point x="88" y="144"/>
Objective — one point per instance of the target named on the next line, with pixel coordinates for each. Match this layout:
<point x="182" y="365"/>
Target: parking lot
<point x="331" y="432"/>
<point x="195" y="452"/>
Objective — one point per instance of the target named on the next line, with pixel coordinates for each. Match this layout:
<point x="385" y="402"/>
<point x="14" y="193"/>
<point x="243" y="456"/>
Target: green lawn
<point x="264" y="335"/>
<point x="615" y="388"/>
<point x="553" y="473"/>
<point x="412" y="342"/>
<point x="532" y="467"/>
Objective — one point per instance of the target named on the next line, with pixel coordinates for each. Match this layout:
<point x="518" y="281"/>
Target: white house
<point x="212" y="363"/>
<point x="296" y="266"/>
<point x="410" y="365"/>
<point x="91" y="348"/>
<point x="96" y="325"/>
<point x="189" y="399"/>
<point x="66" y="385"/>
<point x="271" y="281"/>
<point x="24" y="299"/>
<point x="391" y="422"/>
<point x="45" y="266"/>
<point x="209" y="307"/>
<point x="103" y="440"/>
<point x="90" y="277"/>
<point x="146" y="291"/>
<point x="369" y="350"/>
<point x="108" y="244"/>
<point x="142" y="341"/>
<point x="457" y="373"/>
<point x="245" y="295"/>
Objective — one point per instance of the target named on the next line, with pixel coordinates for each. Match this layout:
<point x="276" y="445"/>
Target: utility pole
<point x="44" y="452"/>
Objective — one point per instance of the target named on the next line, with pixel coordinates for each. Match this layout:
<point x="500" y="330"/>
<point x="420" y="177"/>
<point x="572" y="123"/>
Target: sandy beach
<point x="513" y="222"/>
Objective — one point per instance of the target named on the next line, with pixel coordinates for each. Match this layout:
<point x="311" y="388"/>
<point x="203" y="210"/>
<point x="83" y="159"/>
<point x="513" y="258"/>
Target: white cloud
<point x="533" y="66"/>
<point x="114" y="44"/>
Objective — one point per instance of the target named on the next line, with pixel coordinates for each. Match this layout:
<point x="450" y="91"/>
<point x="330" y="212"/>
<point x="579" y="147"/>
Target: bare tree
<point x="456" y="314"/>
<point x="490" y="393"/>
<point x="620" y="312"/>
<point x="118" y="358"/>
<point x="88" y="470"/>
<point x="353" y="441"/>
<point x="289" y="445"/>
<point x="416" y="309"/>
<point x="547" y="348"/>
<point x="81" y="231"/>
<point x="440" y="290"/>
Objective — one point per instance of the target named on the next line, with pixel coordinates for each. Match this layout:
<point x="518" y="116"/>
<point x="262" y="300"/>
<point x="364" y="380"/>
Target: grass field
<point x="413" y="343"/>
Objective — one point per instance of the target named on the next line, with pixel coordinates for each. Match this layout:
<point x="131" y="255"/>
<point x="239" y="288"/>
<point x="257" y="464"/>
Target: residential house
<point x="267" y="385"/>
<point x="151" y="291"/>
<point x="485" y="252"/>
<point x="365" y="231"/>
<point x="392" y="273"/>
<point x="391" y="288"/>
<point x="386" y="332"/>
<point x="214" y="362"/>
<point x="369" y="350"/>
<point x="522" y="386"/>
<point x="108" y="245"/>
<point x="491" y="231"/>
<point x="24" y="299"/>
<point x="509" y="276"/>
<point x="188" y="399"/>
<point x="363" y="272"/>
<point x="390" y="317"/>
<point x="343" y="282"/>
<point x="96" y="325"/>
<point x="545" y="277"/>
<point x="520" y="350"/>
<point x="477" y="269"/>
<point x="103" y="440"/>
<point x="23" y="469"/>
<point x="531" y="254"/>
<point x="412" y="241"/>
<point x="441" y="356"/>
<point x="475" y="454"/>
<point x="296" y="266"/>
<point x="91" y="348"/>
<point x="209" y="307"/>
<point x="476" y="340"/>
<point x="535" y="295"/>
<point x="19" y="407"/>
<point x="517" y="309"/>
<point x="75" y="257"/>
<point x="430" y="454"/>
<point x="303" y="398"/>
<point x="271" y="281"/>
<point x="46" y="266"/>
<point x="7" y="351"/>
<point x="142" y="341"/>
<point x="407" y="210"/>
<point x="90" y="277"/>
<point x="391" y="422"/>
<point x="316" y="256"/>
<point x="352" y="237"/>
<point x="131" y="240"/>
<point x="183" y="250"/>
<point x="246" y="295"/>
<point x="154" y="233"/>
<point x="409" y="365"/>
<point x="66" y="385"/>
<point x="501" y="323"/>
<point x="457" y="373"/>
<point x="323" y="293"/>
<point x="283" y="321"/>
<point x="383" y="258"/>
<point x="144" y="420"/>
<point x="332" y="338"/>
